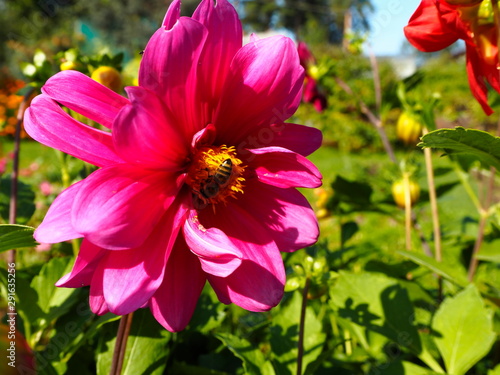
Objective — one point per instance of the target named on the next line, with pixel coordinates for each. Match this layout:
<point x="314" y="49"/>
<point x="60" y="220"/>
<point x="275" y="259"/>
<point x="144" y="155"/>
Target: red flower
<point x="436" y="24"/>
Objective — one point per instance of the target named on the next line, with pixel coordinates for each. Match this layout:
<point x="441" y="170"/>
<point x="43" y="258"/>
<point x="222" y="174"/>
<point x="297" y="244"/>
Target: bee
<point x="213" y="185"/>
<point x="218" y="180"/>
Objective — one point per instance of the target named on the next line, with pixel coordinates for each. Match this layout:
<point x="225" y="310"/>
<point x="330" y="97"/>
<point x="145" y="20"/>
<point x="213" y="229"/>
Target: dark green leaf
<point x="284" y="336"/>
<point x="147" y="346"/>
<point x="16" y="236"/>
<point x="482" y="145"/>
<point x="25" y="200"/>
<point x="349" y="229"/>
<point x="253" y="359"/>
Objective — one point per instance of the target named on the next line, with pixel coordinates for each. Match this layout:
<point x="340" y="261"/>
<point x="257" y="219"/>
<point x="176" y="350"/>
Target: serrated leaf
<point x="440" y="268"/>
<point x="463" y="330"/>
<point x="147" y="346"/>
<point x="254" y="361"/>
<point x="284" y="336"/>
<point x="482" y="145"/>
<point x="13" y="236"/>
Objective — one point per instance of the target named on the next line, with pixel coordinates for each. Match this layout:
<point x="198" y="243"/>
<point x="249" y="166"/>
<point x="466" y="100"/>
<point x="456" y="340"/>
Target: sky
<point x="387" y="25"/>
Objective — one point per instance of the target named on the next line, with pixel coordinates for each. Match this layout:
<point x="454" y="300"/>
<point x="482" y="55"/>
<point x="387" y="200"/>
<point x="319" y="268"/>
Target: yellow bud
<point x="398" y="191"/>
<point x="313" y="71"/>
<point x="109" y="77"/>
<point x="408" y="128"/>
<point x="69" y="65"/>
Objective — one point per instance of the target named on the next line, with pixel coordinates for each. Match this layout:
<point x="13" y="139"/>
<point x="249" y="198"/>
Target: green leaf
<point x="254" y="361"/>
<point x="348" y="230"/>
<point x="284" y="336"/>
<point x="442" y="269"/>
<point x="463" y="330"/>
<point x="401" y="367"/>
<point x="482" y="145"/>
<point x="495" y="371"/>
<point x="490" y="251"/>
<point x="14" y="236"/>
<point x="147" y="346"/>
<point x="378" y="304"/>
<point x="25" y="200"/>
<point x="54" y="301"/>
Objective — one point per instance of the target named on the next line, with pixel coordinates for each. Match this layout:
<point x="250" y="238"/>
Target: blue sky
<point x="387" y="25"/>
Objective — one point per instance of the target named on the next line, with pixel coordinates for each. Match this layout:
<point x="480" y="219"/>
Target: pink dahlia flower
<point x="197" y="176"/>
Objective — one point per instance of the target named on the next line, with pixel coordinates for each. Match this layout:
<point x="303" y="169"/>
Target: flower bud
<point x="398" y="191"/>
<point x="109" y="77"/>
<point x="408" y="128"/>
<point x="69" y="65"/>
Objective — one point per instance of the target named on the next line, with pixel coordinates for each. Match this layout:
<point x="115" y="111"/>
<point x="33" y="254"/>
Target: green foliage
<point x="470" y="142"/>
<point x="16" y="236"/>
<point x="25" y="200"/>
<point x="463" y="330"/>
<point x="147" y="346"/>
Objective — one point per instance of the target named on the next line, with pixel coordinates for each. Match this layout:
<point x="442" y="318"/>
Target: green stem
<point x="302" y="322"/>
<point x="464" y="179"/>
<point x="434" y="211"/>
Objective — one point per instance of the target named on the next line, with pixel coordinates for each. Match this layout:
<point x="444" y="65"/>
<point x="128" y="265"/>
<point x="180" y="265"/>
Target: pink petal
<point x="263" y="87"/>
<point x="56" y="226"/>
<point x="223" y="41"/>
<point x="47" y="123"/>
<point x="118" y="207"/>
<point x="283" y="168"/>
<point x="258" y="283"/>
<point x="301" y="139"/>
<point x="84" y="95"/>
<point x="284" y="213"/>
<point x="174" y="302"/>
<point x="173" y="14"/>
<point x="131" y="277"/>
<point x="145" y="133"/>
<point x="218" y="255"/>
<point x="97" y="302"/>
<point x="174" y="80"/>
<point x="86" y="262"/>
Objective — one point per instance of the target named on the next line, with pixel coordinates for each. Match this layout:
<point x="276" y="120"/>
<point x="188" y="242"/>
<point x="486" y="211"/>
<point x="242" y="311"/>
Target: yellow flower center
<point x="215" y="174"/>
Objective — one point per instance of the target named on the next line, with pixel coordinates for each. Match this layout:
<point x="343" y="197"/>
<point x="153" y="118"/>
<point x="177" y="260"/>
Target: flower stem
<point x="121" y="344"/>
<point x="302" y="322"/>
<point x="11" y="255"/>
<point x="434" y="211"/>
<point x="406" y="179"/>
